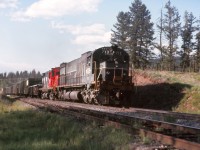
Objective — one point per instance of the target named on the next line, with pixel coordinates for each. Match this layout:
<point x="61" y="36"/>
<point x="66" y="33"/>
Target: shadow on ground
<point x="163" y="96"/>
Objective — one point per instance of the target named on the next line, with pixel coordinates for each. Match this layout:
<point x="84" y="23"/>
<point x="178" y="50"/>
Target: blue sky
<point x="41" y="34"/>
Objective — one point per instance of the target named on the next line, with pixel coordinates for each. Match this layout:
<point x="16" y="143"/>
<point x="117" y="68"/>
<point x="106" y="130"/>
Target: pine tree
<point x="171" y="26"/>
<point x="160" y="45"/>
<point x="25" y="74"/>
<point x="5" y="75"/>
<point x="32" y="74"/>
<point x="38" y="74"/>
<point x="140" y="34"/>
<point x="187" y="35"/>
<point x="120" y="34"/>
<point x="197" y="47"/>
<point x="134" y="32"/>
<point x="17" y="74"/>
<point x="147" y="39"/>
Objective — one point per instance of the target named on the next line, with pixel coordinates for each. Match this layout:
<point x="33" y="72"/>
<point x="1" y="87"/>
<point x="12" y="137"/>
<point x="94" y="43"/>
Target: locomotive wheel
<point x="96" y="101"/>
<point x="90" y="100"/>
<point x="85" y="99"/>
<point x="51" y="96"/>
<point x="42" y="97"/>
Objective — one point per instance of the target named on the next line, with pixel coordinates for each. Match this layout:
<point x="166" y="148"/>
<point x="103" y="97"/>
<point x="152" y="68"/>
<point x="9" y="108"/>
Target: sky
<point x="41" y="34"/>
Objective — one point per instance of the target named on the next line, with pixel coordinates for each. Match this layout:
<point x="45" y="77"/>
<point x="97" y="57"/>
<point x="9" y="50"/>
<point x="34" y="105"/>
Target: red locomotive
<point x="54" y="76"/>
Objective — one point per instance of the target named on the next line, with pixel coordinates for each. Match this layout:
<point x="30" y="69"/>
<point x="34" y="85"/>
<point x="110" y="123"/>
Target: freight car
<point x="100" y="77"/>
<point x="26" y="87"/>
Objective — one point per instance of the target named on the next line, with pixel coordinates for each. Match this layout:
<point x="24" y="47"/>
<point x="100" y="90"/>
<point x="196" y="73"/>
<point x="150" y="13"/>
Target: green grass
<point x="22" y="128"/>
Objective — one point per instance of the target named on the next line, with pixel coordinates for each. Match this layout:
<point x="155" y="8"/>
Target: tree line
<point x="7" y="79"/>
<point x="21" y="74"/>
<point x="135" y="32"/>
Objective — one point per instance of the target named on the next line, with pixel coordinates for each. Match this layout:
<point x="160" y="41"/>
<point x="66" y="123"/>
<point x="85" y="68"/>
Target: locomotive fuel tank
<point x="72" y="95"/>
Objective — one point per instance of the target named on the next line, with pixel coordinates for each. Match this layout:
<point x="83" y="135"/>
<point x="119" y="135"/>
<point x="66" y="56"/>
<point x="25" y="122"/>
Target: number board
<point x="109" y="51"/>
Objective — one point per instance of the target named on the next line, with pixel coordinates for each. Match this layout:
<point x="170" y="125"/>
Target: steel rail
<point x="169" y="113"/>
<point x="124" y="121"/>
<point x="175" y="142"/>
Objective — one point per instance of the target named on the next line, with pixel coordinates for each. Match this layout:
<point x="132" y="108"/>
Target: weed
<point x="145" y="140"/>
<point x="159" y="129"/>
<point x="136" y="125"/>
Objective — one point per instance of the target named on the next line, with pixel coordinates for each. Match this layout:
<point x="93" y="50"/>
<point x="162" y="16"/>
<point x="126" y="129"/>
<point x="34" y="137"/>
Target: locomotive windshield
<point x="109" y="70"/>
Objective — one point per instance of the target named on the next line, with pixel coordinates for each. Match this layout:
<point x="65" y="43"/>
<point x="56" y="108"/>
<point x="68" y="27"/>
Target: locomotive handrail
<point x="95" y="74"/>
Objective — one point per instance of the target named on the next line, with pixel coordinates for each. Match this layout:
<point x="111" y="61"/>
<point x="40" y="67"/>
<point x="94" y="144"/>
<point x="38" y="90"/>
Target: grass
<point x="185" y="84"/>
<point x="145" y="140"/>
<point x="191" y="101"/>
<point x="22" y="128"/>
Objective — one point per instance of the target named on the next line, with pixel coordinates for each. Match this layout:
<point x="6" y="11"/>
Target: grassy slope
<point x="22" y="128"/>
<point x="185" y="84"/>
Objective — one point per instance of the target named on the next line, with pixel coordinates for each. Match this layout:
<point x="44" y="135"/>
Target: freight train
<point x="100" y="77"/>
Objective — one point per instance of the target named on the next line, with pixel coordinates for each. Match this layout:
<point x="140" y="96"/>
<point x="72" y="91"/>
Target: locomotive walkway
<point x="176" y="129"/>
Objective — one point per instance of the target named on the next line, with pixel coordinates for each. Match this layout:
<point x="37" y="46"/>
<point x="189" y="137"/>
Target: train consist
<point x="26" y="87"/>
<point x="101" y="77"/>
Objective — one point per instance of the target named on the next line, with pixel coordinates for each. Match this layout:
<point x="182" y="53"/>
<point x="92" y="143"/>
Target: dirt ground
<point x="141" y="79"/>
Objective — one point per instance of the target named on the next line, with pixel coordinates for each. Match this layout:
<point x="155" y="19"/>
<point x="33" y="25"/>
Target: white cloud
<point x="79" y="29"/>
<point x="92" y="39"/>
<point x="55" y="8"/>
<point x="8" y="3"/>
<point x="94" y="34"/>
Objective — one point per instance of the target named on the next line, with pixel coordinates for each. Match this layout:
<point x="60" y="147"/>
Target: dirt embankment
<point x="156" y="93"/>
<point x="142" y="79"/>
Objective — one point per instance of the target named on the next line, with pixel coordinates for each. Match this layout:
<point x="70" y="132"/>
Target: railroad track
<point x="167" y="132"/>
